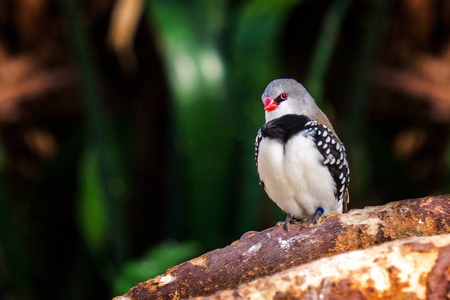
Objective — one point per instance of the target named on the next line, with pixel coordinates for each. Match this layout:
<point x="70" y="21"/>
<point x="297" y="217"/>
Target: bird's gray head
<point x="287" y="96"/>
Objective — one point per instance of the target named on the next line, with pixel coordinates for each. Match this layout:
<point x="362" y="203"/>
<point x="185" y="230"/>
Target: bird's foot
<point x="286" y="222"/>
<point x="316" y="217"/>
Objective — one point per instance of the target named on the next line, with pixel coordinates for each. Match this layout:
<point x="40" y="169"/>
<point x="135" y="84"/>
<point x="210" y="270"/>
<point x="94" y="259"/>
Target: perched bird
<point x="301" y="162"/>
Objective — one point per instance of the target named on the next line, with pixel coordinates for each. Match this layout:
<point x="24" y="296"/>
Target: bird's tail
<point x="346" y="201"/>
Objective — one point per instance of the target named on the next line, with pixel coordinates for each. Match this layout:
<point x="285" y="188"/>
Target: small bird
<point x="300" y="160"/>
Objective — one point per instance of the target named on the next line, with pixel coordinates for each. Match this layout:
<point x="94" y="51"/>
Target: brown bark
<point x="413" y="268"/>
<point x="270" y="251"/>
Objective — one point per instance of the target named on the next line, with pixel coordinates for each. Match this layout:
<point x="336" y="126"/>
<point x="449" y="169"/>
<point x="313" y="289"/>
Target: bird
<point x="301" y="162"/>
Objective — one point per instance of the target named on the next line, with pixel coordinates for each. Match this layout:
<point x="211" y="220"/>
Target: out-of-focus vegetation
<point x="127" y="126"/>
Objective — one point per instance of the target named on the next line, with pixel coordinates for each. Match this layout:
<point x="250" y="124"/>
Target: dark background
<point x="127" y="127"/>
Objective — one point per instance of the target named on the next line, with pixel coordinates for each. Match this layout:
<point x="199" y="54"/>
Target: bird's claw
<point x="287" y="222"/>
<point x="315" y="219"/>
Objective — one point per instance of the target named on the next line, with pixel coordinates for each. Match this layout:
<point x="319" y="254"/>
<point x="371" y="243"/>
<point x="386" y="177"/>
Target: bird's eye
<point x="283" y="96"/>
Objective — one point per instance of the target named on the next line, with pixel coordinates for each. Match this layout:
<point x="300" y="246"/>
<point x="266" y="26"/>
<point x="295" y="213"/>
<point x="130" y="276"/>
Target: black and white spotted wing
<point x="334" y="157"/>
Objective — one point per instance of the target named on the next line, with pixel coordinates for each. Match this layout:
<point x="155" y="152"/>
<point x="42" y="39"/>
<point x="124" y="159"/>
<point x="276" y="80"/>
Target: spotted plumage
<point x="334" y="157"/>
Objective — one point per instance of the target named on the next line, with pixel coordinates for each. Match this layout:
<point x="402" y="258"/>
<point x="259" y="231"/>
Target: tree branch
<point x="270" y="251"/>
<point x="413" y="268"/>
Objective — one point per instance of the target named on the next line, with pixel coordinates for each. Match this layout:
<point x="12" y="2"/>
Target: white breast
<point x="295" y="177"/>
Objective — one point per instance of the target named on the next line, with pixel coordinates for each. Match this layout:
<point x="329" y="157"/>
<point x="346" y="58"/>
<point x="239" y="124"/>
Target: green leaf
<point x="92" y="216"/>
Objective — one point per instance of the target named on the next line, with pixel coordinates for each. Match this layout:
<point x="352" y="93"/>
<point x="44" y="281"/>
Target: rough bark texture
<point x="270" y="251"/>
<point x="413" y="268"/>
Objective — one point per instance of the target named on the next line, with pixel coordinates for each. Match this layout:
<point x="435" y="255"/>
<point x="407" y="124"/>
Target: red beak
<point x="270" y="104"/>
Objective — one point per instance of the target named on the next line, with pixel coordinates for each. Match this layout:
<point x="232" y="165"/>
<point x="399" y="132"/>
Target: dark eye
<point x="283" y="96"/>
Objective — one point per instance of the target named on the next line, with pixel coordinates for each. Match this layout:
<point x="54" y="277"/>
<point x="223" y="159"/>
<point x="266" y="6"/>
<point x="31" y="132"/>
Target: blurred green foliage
<point x="103" y="179"/>
<point x="92" y="210"/>
<point x="364" y="61"/>
<point x="155" y="262"/>
<point x="325" y="46"/>
<point x="255" y="60"/>
<point x="12" y="246"/>
<point x="197" y="82"/>
<point x="217" y="57"/>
